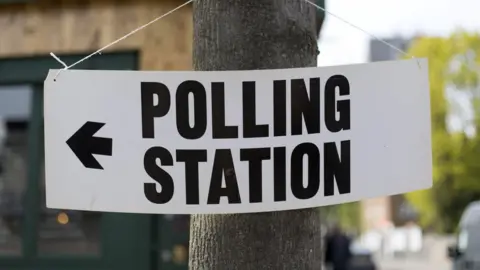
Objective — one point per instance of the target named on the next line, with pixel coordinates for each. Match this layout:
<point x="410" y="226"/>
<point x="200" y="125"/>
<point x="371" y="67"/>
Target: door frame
<point x="125" y="238"/>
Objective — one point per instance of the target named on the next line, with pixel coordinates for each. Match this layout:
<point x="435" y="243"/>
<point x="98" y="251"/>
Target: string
<point x="99" y="51"/>
<point x="58" y="60"/>
<point x="364" y="31"/>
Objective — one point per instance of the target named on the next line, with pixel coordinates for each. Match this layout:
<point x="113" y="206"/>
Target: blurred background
<point x="434" y="229"/>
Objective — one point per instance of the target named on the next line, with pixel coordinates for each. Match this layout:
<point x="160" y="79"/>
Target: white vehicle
<point x="465" y="252"/>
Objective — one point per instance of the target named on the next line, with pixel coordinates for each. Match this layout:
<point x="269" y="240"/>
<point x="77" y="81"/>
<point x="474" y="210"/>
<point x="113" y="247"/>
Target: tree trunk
<point x="241" y="35"/>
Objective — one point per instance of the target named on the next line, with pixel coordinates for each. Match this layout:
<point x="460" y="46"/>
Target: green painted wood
<point x="15" y="1"/>
<point x="32" y="194"/>
<point x="125" y="237"/>
<point x="34" y="70"/>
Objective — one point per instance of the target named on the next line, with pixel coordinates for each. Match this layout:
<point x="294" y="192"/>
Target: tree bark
<point x="241" y="35"/>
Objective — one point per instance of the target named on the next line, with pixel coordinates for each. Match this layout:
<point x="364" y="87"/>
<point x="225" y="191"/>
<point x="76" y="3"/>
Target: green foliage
<point x="454" y="62"/>
<point x="347" y="215"/>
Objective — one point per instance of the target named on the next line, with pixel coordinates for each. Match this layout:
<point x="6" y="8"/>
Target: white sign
<point x="236" y="141"/>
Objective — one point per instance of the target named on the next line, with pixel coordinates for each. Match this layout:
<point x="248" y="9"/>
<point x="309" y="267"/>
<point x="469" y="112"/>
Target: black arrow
<point x="84" y="145"/>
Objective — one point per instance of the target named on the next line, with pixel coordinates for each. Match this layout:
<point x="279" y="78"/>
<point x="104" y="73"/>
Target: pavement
<point x="413" y="265"/>
<point x="433" y="257"/>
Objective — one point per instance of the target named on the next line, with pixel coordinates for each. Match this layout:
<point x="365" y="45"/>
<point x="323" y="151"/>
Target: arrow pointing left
<point x="84" y="145"/>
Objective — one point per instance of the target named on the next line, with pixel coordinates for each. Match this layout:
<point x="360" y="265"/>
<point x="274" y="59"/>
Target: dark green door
<point x="31" y="236"/>
<point x="170" y="237"/>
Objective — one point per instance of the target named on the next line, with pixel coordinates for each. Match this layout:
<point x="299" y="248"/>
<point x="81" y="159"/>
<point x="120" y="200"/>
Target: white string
<point x="364" y="31"/>
<point x="116" y="41"/>
<point x="58" y="59"/>
<point x="99" y="51"/>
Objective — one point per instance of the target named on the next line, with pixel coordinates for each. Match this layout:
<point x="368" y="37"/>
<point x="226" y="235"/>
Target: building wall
<point x="375" y="212"/>
<point x="381" y="52"/>
<point x="83" y="26"/>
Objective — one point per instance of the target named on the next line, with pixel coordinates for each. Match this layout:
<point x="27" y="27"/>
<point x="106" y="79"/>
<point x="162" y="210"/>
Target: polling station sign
<point x="235" y="141"/>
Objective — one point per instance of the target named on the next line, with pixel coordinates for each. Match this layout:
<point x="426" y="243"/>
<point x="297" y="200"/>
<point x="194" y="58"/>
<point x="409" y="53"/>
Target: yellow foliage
<point x="453" y="62"/>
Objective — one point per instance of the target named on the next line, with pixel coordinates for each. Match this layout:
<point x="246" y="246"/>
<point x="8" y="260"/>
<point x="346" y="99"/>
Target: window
<point x="15" y="103"/>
